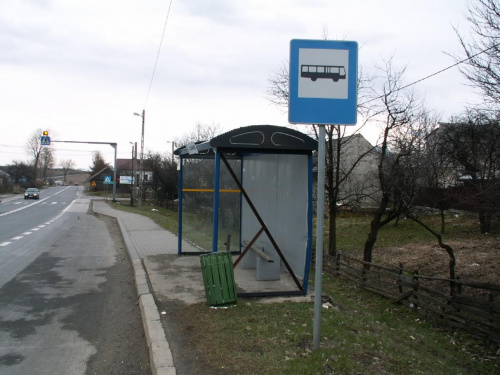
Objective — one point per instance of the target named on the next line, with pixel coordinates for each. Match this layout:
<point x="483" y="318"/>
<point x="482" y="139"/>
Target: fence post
<point x="400" y="281"/>
<point x="337" y="265"/>
<point x="415" y="288"/>
<point x="491" y="307"/>
<point x="458" y="291"/>
<point x="363" y="277"/>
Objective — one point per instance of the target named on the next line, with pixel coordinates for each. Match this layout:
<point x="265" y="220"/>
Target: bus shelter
<point x="249" y="191"/>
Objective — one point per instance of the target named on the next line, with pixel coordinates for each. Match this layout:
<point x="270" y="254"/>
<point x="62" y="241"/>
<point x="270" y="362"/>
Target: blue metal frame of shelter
<point x="261" y="139"/>
<point x="204" y="151"/>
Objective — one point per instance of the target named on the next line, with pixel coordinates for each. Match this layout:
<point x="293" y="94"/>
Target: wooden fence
<point x="473" y="307"/>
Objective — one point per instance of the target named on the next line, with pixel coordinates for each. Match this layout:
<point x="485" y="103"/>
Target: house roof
<point x="123" y="163"/>
<point x="126" y="164"/>
<point x="101" y="172"/>
<point x="4" y="174"/>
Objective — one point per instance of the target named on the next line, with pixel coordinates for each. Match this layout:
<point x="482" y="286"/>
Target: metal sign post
<point x="323" y="91"/>
<point x="320" y="212"/>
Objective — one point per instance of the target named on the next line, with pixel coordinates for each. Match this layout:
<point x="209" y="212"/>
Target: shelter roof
<point x="260" y="138"/>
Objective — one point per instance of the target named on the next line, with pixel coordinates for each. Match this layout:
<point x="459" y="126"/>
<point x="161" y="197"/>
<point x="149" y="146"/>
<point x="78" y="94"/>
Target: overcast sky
<point x="80" y="69"/>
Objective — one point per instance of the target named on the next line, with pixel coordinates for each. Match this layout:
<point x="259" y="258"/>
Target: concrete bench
<point x="267" y="268"/>
<point x="259" y="252"/>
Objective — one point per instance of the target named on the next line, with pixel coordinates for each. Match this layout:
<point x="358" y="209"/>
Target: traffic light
<point x="45" y="139"/>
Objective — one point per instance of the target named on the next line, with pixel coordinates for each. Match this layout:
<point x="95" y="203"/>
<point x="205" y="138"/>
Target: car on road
<point x="32" y="193"/>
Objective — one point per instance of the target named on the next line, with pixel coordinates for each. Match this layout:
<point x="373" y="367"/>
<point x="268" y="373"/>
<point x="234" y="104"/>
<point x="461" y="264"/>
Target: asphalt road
<point x="68" y="304"/>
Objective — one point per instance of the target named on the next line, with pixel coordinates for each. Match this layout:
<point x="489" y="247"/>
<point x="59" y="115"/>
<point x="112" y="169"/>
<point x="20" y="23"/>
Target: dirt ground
<point x="476" y="260"/>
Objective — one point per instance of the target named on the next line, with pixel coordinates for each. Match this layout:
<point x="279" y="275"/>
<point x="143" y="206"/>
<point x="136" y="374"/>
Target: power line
<point x="158" y="54"/>
<point x="427" y="77"/>
<point x="435" y="73"/>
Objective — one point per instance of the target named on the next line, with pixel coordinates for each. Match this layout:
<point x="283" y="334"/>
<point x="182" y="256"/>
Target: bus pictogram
<point x="322" y="71"/>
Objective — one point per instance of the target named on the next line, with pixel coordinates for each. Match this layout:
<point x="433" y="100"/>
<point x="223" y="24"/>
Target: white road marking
<point x="32" y="204"/>
<point x="3" y="244"/>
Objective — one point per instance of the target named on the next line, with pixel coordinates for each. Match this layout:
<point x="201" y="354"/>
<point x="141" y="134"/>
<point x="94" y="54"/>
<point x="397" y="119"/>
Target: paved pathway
<point x="147" y="236"/>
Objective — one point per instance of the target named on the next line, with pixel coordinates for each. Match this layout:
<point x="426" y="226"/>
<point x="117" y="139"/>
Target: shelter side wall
<point x="277" y="186"/>
<point x="292" y="204"/>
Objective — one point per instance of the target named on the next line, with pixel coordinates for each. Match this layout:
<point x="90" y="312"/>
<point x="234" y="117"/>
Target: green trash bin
<point x="218" y="277"/>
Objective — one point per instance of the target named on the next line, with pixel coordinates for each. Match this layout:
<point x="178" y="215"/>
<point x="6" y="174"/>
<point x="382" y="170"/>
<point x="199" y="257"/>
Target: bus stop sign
<point x="323" y="82"/>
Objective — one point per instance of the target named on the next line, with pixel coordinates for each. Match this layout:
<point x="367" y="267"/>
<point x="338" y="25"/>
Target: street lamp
<point x="173" y="146"/>
<point x="141" y="165"/>
<point x="132" y="186"/>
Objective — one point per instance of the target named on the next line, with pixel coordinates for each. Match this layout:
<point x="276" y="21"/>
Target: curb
<point x="160" y="356"/>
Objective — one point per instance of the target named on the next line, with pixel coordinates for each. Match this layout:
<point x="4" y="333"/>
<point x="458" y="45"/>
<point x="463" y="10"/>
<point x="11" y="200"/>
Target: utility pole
<point x="141" y="165"/>
<point x="133" y="179"/>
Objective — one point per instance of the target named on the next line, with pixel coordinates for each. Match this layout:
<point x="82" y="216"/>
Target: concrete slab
<point x="179" y="278"/>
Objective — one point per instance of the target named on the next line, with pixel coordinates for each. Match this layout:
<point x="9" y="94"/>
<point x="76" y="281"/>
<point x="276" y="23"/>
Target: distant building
<point x="458" y="163"/>
<point x="131" y="167"/>
<point x="361" y="187"/>
<point x="450" y="173"/>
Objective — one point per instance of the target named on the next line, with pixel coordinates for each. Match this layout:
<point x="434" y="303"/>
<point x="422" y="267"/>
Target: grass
<point x="361" y="333"/>
<point x="166" y="218"/>
<point x="195" y="229"/>
<point x="352" y="231"/>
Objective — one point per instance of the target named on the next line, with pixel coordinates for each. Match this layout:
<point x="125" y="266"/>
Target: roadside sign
<point x="127" y="180"/>
<point x="45" y="140"/>
<point x="323" y="82"/>
<point x="94" y="184"/>
<point x="192" y="149"/>
<point x="107" y="180"/>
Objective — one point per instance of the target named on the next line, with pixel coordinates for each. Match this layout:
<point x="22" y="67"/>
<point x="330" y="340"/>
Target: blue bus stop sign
<point x="323" y="82"/>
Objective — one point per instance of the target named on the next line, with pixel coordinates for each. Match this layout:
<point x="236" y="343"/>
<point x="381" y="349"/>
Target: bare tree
<point x="201" y="132"/>
<point x="98" y="163"/>
<point x="339" y="168"/>
<point x="19" y="170"/>
<point x="277" y="91"/>
<point x="471" y="143"/>
<point x="483" y="49"/>
<point x="403" y="136"/>
<point x="66" y="166"/>
<point x="47" y="161"/>
<point x="403" y="166"/>
<point x="34" y="150"/>
<point x="337" y="173"/>
<point x="165" y="176"/>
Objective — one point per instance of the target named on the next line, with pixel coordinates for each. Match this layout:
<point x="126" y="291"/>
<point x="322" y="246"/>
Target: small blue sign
<point x="45" y="140"/>
<point x="323" y="82"/>
<point x="107" y="180"/>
